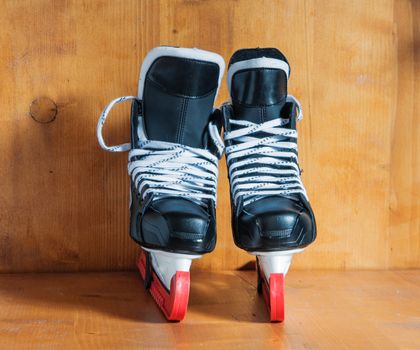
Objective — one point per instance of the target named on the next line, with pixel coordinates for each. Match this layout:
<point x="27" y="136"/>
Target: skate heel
<point x="272" y="268"/>
<point x="167" y="277"/>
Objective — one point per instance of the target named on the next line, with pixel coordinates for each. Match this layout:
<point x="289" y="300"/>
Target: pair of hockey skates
<point x="173" y="164"/>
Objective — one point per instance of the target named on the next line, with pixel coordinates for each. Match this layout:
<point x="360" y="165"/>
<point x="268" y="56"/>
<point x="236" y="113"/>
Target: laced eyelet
<point x="262" y="166"/>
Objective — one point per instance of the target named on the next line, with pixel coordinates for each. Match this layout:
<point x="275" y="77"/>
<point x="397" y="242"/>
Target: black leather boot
<point x="173" y="165"/>
<point x="271" y="214"/>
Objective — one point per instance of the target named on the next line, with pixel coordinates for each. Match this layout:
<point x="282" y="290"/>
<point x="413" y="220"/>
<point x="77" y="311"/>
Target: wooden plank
<point x="405" y="147"/>
<point x="325" y="310"/>
<point x="63" y="202"/>
<point x="352" y="65"/>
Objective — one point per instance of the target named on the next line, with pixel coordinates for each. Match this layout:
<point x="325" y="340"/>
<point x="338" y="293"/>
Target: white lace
<point x="165" y="168"/>
<point x="263" y="166"/>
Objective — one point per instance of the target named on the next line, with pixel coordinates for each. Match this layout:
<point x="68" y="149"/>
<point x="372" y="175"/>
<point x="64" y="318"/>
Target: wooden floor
<point x="325" y="310"/>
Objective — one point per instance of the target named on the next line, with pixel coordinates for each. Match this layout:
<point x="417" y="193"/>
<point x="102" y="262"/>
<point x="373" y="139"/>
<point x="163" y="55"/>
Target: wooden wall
<point x="355" y="68"/>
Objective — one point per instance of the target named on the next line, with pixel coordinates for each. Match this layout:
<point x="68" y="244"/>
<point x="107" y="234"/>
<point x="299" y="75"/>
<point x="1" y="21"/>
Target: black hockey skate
<point x="271" y="215"/>
<point x="173" y="164"/>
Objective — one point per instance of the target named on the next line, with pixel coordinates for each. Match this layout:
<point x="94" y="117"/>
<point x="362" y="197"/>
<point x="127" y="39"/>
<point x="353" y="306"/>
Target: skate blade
<point x="272" y="269"/>
<point x="173" y="302"/>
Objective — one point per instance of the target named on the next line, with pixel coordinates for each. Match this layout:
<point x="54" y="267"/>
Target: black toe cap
<point x="178" y="225"/>
<point x="275" y="223"/>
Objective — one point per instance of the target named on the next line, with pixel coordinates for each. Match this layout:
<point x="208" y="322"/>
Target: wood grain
<point x="355" y="67"/>
<point x="405" y="144"/>
<point x="325" y="310"/>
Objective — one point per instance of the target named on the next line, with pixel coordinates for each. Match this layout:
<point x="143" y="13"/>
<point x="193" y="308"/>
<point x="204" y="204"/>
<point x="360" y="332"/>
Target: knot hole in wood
<point x="43" y="110"/>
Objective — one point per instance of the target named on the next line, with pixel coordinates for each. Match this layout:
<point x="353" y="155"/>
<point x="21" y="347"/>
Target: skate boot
<point x="271" y="215"/>
<point x="173" y="165"/>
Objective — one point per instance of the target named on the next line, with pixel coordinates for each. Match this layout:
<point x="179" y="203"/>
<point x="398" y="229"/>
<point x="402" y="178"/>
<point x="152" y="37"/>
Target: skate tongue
<point x="258" y="84"/>
<point x="259" y="95"/>
<point x="178" y="100"/>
